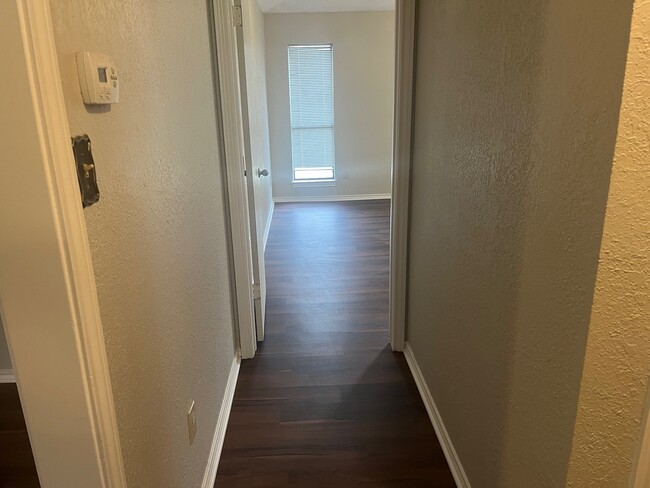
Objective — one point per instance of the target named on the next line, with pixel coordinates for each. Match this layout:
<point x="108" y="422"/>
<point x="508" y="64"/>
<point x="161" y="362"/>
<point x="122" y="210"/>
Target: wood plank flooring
<point x="325" y="402"/>
<point x="17" y="468"/>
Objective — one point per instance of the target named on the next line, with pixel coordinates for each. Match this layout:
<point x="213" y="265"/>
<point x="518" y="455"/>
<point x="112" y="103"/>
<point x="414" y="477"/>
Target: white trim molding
<point x="74" y="375"/>
<point x="405" y="28"/>
<point x="443" y="436"/>
<point x="222" y="424"/>
<point x="332" y="198"/>
<point x="7" y="376"/>
<point x="268" y="224"/>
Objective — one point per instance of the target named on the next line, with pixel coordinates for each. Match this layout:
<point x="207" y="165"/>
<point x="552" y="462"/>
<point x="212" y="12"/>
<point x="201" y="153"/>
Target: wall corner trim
<point x="7" y="376"/>
<point x="441" y="432"/>
<point x="210" y="475"/>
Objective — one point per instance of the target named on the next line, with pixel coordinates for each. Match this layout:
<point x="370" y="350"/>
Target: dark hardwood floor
<point x="17" y="468"/>
<point x="325" y="402"/>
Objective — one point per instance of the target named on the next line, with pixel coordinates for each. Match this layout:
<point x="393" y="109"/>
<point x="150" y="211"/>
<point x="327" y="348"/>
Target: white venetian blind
<point x="311" y="95"/>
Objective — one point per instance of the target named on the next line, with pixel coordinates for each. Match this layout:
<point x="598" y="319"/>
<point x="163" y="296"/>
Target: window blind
<point x="311" y="96"/>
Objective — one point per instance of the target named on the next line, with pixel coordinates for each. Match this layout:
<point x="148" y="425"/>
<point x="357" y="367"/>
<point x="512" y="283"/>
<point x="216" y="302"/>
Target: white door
<point x="250" y="53"/>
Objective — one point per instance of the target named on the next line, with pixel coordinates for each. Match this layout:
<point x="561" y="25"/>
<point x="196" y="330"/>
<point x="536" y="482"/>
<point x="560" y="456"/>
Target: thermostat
<point x="98" y="78"/>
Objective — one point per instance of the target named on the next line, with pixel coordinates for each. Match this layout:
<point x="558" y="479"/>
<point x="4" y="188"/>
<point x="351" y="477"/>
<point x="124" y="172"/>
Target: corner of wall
<point x="613" y="395"/>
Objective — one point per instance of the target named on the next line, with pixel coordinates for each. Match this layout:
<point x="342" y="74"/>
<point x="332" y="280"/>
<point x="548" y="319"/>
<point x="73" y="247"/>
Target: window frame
<point x="293" y="168"/>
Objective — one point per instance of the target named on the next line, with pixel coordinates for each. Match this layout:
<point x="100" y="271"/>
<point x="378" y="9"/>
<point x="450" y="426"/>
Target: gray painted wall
<point x="515" y="123"/>
<point x="158" y="234"/>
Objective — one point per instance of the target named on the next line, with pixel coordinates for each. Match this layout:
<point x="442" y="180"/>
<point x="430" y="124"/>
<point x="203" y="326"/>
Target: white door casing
<point x="405" y="23"/>
<point x="231" y="98"/>
<point x="47" y="286"/>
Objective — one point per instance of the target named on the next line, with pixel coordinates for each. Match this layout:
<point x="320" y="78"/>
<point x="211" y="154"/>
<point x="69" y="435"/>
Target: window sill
<point x="313" y="183"/>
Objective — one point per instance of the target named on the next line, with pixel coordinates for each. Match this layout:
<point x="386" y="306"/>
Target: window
<point x="311" y="98"/>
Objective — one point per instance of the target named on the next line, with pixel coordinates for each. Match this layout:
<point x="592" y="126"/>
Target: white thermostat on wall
<point x="98" y="78"/>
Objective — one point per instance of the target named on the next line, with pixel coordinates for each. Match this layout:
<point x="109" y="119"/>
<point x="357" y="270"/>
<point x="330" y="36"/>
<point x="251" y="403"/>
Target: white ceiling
<point x="287" y="6"/>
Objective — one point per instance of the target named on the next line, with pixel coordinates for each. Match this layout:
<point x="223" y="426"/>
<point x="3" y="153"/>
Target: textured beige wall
<point x="158" y="235"/>
<point x="5" y="360"/>
<point x="363" y="97"/>
<point x="514" y="129"/>
<point x="254" y="48"/>
<point x="617" y="363"/>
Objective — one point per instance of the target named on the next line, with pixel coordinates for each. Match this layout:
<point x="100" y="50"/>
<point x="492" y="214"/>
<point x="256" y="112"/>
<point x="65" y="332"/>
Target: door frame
<point x="225" y="16"/>
<point x="405" y="31"/>
<point x="230" y="128"/>
<point x="49" y="299"/>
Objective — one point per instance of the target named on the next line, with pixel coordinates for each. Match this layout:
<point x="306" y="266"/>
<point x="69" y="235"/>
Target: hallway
<point x="325" y="402"/>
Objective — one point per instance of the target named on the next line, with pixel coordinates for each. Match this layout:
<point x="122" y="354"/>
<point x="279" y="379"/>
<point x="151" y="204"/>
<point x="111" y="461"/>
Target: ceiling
<point x="287" y="6"/>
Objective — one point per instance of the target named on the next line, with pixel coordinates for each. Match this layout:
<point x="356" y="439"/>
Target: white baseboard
<point x="7" y="376"/>
<point x="332" y="198"/>
<point x="268" y="224"/>
<point x="443" y="437"/>
<point x="222" y="423"/>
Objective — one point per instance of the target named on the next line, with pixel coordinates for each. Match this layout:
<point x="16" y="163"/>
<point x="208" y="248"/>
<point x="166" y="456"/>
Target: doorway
<point x="362" y="141"/>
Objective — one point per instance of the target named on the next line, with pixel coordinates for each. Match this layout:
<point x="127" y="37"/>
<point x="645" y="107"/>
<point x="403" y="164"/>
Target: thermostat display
<point x="98" y="78"/>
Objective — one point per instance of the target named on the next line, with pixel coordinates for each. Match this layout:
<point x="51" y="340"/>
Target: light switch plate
<point x="86" y="174"/>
